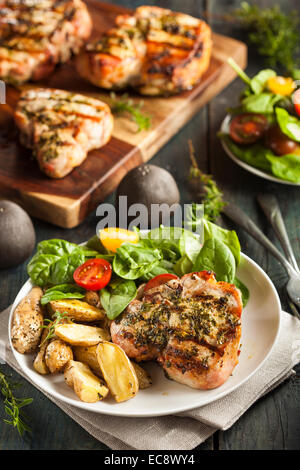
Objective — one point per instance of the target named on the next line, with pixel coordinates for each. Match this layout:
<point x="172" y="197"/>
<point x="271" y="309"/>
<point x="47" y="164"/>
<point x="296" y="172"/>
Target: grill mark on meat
<point x="62" y="127"/>
<point x="166" y="53"/>
<point x="54" y="28"/>
<point x="190" y="326"/>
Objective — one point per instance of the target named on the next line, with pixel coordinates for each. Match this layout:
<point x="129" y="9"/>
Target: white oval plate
<point x="260" y="327"/>
<point x="225" y="129"/>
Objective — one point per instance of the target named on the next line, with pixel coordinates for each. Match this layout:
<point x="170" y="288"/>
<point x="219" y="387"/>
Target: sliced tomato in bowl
<point x="247" y="128"/>
<point x="158" y="280"/>
<point x="94" y="274"/>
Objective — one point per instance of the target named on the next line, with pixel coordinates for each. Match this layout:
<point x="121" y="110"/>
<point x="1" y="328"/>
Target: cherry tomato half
<point x="94" y="274"/>
<point x="158" y="280"/>
<point x="112" y="237"/>
<point x="278" y="142"/>
<point x="247" y="128"/>
<point x="296" y="100"/>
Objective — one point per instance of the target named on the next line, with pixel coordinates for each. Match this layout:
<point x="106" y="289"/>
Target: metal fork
<point x="293" y="285"/>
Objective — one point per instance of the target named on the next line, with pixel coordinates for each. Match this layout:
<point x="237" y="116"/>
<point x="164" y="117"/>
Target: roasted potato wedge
<point x="88" y="355"/>
<point x="86" y="385"/>
<point x="92" y="298"/>
<point x="81" y="335"/>
<point x="27" y="322"/>
<point x="77" y="310"/>
<point x="143" y="377"/>
<point x="39" y="363"/>
<point x="118" y="371"/>
<point x="57" y="355"/>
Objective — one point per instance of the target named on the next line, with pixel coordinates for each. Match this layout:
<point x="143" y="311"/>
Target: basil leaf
<point x="289" y="125"/>
<point x="217" y="257"/>
<point x="115" y="298"/>
<point x="63" y="291"/>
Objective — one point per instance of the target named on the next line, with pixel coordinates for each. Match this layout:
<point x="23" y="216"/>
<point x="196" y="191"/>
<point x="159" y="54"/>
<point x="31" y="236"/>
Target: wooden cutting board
<point x="67" y="202"/>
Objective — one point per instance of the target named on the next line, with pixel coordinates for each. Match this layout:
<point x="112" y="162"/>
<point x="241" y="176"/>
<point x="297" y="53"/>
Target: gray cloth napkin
<point x="186" y="430"/>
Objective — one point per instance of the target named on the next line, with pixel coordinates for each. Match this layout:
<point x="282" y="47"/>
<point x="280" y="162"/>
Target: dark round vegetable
<point x="148" y="184"/>
<point x="17" y="235"/>
<point x="278" y="142"/>
<point x="247" y="128"/>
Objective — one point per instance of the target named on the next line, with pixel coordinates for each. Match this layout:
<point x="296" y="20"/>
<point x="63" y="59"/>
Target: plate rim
<point x="180" y="409"/>
<point x="246" y="166"/>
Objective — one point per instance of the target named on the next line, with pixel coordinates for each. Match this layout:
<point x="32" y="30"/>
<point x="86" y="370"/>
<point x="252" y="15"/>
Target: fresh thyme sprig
<point x="50" y="325"/>
<point x="274" y="33"/>
<point x="212" y="197"/>
<point x="125" y="105"/>
<point x="13" y="405"/>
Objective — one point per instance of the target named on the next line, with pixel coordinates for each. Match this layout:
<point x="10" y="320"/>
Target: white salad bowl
<point x="260" y="328"/>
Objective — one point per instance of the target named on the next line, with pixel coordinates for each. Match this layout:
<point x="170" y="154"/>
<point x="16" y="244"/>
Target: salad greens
<point x="163" y="250"/>
<point x="286" y="167"/>
<point x="217" y="257"/>
<point x="258" y="99"/>
<point x="132" y="261"/>
<point x="288" y="124"/>
<point x="63" y="291"/>
<point x="116" y="296"/>
<point x="55" y="262"/>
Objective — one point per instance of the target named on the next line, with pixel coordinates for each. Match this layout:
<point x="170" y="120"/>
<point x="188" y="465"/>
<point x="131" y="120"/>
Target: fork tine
<point x="294" y="309"/>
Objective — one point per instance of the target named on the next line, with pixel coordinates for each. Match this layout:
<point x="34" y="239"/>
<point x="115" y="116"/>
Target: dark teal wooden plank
<point x="273" y="423"/>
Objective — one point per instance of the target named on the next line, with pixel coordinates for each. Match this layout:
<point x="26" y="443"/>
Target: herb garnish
<point x="57" y="317"/>
<point x="13" y="405"/>
<point x="125" y="105"/>
<point x="212" y="197"/>
<point x="274" y="33"/>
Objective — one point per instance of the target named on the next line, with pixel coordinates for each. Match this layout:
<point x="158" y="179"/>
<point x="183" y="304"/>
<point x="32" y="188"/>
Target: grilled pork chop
<point x="191" y="326"/>
<point x="62" y="127"/>
<point x="35" y="35"/>
<point x="155" y="50"/>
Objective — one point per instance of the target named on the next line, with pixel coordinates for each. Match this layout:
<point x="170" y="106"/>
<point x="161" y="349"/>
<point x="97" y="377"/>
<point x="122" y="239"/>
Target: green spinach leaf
<point x="289" y="125"/>
<point x="62" y="291"/>
<point x="286" y="167"/>
<point x="135" y="260"/>
<point x="189" y="245"/>
<point x="244" y="290"/>
<point x="56" y="261"/>
<point x="116" y="296"/>
<point x="263" y="103"/>
<point x="255" y="154"/>
<point x="183" y="266"/>
<point x="228" y="237"/>
<point x="258" y="82"/>
<point x="217" y="257"/>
